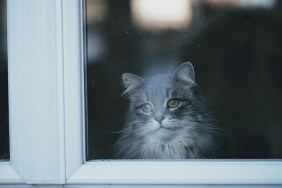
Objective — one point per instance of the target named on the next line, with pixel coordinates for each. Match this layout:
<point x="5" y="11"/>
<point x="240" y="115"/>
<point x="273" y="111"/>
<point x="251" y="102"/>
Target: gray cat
<point x="166" y="118"/>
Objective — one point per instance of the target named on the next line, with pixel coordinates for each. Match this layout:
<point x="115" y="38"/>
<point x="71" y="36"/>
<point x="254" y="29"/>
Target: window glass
<point x="4" y="129"/>
<point x="235" y="49"/>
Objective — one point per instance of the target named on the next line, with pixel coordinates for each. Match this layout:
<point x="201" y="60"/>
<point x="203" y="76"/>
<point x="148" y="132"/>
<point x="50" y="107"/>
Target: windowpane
<point x="4" y="129"/>
<point x="234" y="46"/>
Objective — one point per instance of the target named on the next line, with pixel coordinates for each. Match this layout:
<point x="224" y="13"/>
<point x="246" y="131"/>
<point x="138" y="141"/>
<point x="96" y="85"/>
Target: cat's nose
<point x="159" y="119"/>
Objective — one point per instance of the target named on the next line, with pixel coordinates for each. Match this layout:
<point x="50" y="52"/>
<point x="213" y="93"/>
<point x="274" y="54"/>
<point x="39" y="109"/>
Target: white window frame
<point x="46" y="106"/>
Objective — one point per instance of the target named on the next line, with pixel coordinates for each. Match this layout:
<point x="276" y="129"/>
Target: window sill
<point x="8" y="175"/>
<point x="266" y="172"/>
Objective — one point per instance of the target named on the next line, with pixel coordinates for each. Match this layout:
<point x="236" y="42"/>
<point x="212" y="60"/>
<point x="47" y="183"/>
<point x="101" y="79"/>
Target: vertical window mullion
<point x="35" y="97"/>
<point x="73" y="83"/>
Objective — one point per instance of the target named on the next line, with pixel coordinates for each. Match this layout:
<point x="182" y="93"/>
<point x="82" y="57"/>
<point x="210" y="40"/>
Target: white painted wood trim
<point x="8" y="175"/>
<point x="36" y="90"/>
<point x="197" y="172"/>
<point x="74" y="84"/>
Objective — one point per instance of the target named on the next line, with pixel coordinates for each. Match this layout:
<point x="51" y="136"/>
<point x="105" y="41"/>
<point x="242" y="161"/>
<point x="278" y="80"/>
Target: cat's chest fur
<point x="175" y="148"/>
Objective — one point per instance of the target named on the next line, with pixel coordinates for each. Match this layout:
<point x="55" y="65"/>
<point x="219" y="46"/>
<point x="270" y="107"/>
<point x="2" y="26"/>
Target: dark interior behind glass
<point x="236" y="50"/>
<point x="4" y="129"/>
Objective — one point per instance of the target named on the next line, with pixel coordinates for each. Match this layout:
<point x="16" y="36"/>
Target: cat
<point x="166" y="118"/>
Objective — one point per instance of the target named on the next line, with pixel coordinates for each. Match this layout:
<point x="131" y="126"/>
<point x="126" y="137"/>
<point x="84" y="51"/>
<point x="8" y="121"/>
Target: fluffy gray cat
<point x="166" y="118"/>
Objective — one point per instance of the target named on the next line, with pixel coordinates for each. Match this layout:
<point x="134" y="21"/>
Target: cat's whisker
<point x="216" y="109"/>
<point x="206" y="127"/>
<point x="213" y="129"/>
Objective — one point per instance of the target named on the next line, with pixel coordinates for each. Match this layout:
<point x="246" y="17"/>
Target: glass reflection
<point x="235" y="47"/>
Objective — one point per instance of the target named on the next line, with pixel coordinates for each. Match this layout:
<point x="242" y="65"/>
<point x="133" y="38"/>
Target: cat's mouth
<point x="165" y="130"/>
<point x="164" y="127"/>
<point x="165" y="133"/>
<point x="168" y="128"/>
<point x="170" y="124"/>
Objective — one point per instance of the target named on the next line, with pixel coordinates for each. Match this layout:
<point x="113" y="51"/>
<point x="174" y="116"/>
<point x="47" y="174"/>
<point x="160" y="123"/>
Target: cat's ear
<point x="185" y="72"/>
<point x="131" y="82"/>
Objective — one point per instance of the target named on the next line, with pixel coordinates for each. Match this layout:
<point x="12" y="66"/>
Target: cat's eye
<point x="147" y="108"/>
<point x="172" y="103"/>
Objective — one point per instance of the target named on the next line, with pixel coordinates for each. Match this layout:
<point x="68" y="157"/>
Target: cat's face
<point x="162" y="105"/>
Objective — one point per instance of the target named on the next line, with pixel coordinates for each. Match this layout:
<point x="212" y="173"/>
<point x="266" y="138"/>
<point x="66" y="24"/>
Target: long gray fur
<point x="184" y="132"/>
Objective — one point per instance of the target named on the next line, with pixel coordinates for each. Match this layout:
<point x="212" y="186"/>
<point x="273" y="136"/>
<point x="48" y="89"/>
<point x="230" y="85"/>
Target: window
<point x="4" y="129"/>
<point x="235" y="48"/>
<point x="47" y="114"/>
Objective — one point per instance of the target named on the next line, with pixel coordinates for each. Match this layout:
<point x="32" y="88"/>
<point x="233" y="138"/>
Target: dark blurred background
<point x="235" y="47"/>
<point x="4" y="129"/>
